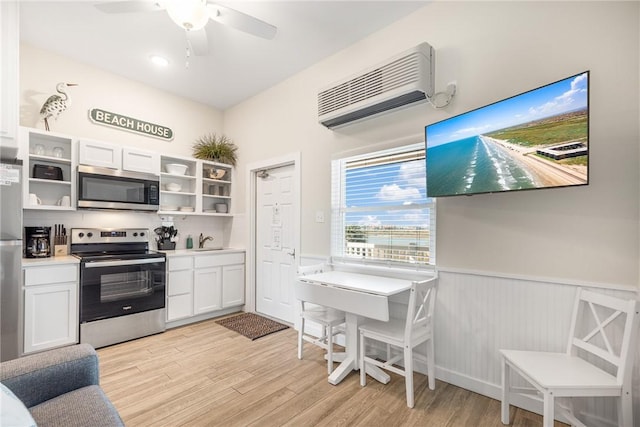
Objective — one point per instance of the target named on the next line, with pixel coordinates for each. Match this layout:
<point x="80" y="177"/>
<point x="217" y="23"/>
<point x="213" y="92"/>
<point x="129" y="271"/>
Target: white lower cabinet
<point x="50" y="307"/>
<point x="179" y="288"/>
<point x="233" y="286"/>
<point x="206" y="283"/>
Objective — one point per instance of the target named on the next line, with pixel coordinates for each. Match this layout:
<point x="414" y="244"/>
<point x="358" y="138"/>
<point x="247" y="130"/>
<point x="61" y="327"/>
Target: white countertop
<point x="54" y="260"/>
<point x="189" y="252"/>
<point x="69" y="259"/>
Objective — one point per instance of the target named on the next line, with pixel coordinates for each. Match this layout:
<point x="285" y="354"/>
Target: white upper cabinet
<point x="9" y="43"/>
<point x="115" y="156"/>
<point x="140" y="161"/>
<point x="100" y="154"/>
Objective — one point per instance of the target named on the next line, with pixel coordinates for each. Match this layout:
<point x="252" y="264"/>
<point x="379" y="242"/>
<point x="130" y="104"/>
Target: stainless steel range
<point x="122" y="285"/>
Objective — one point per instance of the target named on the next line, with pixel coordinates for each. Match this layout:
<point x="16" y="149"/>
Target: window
<point x="380" y="212"/>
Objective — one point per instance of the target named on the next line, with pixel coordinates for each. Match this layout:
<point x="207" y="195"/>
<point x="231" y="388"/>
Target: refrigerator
<point x="10" y="258"/>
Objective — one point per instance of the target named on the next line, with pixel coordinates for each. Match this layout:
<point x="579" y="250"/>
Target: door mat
<point x="251" y="325"/>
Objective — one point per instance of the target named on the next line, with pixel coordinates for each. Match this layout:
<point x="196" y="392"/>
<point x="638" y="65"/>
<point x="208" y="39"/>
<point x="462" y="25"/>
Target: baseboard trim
<point x="201" y="317"/>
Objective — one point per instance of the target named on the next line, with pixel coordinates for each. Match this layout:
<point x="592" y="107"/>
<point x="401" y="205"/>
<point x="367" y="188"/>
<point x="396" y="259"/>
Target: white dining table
<point x="359" y="296"/>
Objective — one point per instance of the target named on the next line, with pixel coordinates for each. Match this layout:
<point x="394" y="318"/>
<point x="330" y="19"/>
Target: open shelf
<point x="51" y="150"/>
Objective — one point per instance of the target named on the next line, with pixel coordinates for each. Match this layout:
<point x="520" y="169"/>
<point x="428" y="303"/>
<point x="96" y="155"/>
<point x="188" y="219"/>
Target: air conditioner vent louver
<point x="402" y="80"/>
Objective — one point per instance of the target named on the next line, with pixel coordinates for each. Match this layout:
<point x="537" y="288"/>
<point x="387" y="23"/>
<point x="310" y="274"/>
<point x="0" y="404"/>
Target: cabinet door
<point x="140" y="161"/>
<point x="50" y="316"/>
<point x="101" y="154"/>
<point x="207" y="290"/>
<point x="232" y="285"/>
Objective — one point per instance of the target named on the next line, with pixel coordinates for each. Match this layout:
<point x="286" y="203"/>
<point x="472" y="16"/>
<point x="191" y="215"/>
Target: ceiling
<point x="238" y="65"/>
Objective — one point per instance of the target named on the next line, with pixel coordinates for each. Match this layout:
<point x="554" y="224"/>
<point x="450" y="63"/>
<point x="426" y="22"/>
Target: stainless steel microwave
<point x="103" y="188"/>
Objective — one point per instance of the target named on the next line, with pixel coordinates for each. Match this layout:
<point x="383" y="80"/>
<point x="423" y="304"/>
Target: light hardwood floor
<point x="206" y="375"/>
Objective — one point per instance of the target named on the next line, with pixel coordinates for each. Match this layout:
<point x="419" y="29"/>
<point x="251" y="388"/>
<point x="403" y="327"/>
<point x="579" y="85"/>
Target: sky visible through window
<point x="384" y="214"/>
<point x="387" y="194"/>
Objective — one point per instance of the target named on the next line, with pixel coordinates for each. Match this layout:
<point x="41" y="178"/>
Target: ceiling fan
<point x="193" y="15"/>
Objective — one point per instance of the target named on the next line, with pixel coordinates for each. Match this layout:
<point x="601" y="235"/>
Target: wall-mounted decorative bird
<point x="56" y="104"/>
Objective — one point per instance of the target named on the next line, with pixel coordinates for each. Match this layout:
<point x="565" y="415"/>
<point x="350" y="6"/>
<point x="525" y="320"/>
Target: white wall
<point x="41" y="70"/>
<point x="493" y="50"/>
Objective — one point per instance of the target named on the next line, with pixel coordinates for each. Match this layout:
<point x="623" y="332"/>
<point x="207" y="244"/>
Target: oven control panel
<point x="102" y="235"/>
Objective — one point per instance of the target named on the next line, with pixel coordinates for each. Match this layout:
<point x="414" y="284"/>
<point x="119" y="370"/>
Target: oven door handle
<point x="118" y="263"/>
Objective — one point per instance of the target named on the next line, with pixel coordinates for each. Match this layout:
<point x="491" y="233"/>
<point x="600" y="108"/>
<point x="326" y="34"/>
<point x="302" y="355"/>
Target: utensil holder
<point x="60" y="250"/>
<point x="166" y="245"/>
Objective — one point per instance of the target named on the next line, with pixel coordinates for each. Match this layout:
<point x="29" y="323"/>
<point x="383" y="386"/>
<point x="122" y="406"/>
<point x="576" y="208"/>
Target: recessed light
<point x="160" y="61"/>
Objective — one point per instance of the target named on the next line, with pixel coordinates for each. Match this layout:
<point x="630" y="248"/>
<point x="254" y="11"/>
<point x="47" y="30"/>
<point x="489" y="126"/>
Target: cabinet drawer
<point x="179" y="282"/>
<point x="180" y="263"/>
<point x="179" y="306"/>
<point x="216" y="260"/>
<point x="50" y="274"/>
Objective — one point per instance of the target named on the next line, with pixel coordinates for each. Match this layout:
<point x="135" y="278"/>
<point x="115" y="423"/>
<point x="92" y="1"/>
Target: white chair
<point x="406" y="334"/>
<point x="571" y="374"/>
<point x="328" y="318"/>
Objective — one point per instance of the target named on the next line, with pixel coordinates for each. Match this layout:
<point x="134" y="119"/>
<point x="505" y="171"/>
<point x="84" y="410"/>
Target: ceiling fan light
<point x="189" y="14"/>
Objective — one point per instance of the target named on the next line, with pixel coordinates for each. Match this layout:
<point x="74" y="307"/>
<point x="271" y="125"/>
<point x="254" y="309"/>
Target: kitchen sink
<point x="207" y="249"/>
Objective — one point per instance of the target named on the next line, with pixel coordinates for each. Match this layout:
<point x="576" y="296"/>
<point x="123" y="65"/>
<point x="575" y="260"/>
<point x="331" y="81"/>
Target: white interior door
<point x="276" y="199"/>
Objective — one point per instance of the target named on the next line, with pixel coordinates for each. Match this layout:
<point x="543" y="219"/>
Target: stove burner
<point x="88" y="242"/>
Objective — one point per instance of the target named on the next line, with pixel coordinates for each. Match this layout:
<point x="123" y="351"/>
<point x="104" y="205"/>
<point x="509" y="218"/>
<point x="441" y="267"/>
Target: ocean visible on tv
<point x="537" y="139"/>
<point x="474" y="165"/>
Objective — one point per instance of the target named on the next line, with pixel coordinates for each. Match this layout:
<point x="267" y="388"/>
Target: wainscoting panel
<point x="477" y="314"/>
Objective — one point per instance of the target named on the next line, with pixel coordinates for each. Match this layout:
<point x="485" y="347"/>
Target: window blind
<point x="380" y="212"/>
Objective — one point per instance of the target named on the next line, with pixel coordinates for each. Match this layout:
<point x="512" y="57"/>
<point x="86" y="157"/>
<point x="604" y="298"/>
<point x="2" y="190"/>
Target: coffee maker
<point x="37" y="242"/>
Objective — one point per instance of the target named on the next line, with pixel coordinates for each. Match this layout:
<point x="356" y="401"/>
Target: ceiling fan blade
<point x="241" y="21"/>
<point x="198" y="42"/>
<point x="129" y="6"/>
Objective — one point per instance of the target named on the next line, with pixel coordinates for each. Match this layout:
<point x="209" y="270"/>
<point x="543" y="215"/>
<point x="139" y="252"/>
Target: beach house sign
<point x="130" y="124"/>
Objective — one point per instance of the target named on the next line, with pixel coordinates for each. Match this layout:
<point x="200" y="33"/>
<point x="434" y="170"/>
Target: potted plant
<point x="218" y="148"/>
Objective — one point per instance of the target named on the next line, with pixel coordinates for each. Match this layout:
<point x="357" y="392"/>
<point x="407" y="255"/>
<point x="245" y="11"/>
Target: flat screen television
<point x="537" y="139"/>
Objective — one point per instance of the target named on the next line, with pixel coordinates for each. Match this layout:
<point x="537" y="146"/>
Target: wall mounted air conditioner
<point x="402" y="80"/>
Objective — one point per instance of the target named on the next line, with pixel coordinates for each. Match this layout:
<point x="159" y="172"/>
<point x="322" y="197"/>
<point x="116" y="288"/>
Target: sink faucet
<point x="202" y="239"/>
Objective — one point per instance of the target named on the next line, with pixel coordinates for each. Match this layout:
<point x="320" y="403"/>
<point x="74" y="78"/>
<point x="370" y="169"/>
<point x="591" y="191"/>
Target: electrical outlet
<point x="319" y="216"/>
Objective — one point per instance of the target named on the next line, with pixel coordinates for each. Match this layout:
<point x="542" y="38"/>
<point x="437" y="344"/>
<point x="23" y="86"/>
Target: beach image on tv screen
<point x="538" y="139"/>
